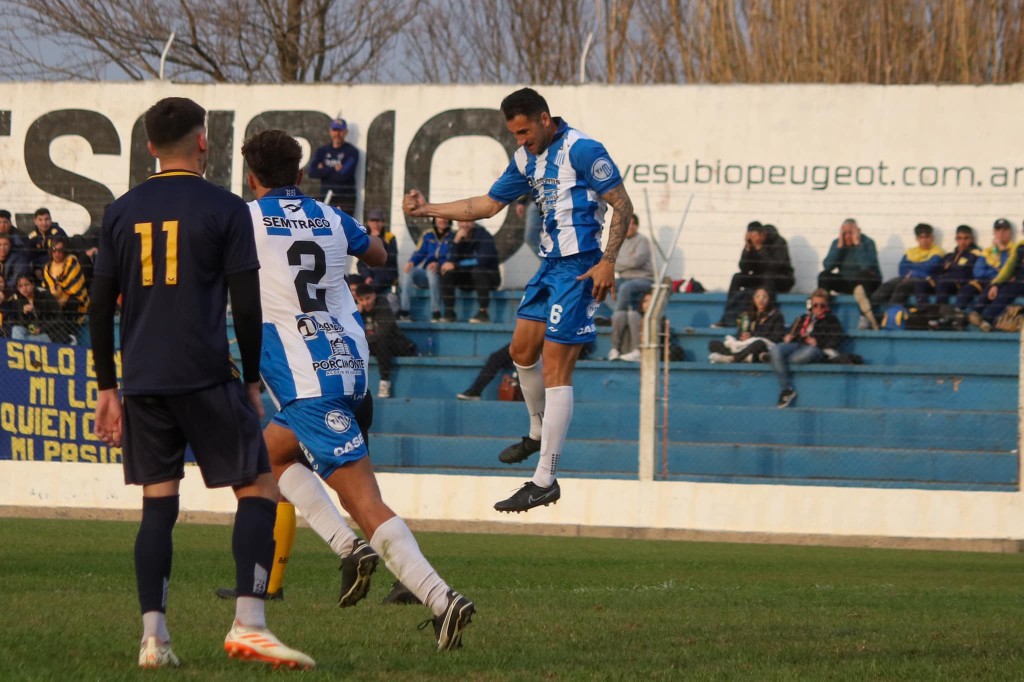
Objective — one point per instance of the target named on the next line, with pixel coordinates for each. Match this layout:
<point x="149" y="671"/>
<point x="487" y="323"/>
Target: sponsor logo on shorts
<point x="602" y="169"/>
<point x="349" y="446"/>
<point x="337" y="420"/>
<point x="592" y="308"/>
<point x="589" y="329"/>
<point x="553" y="330"/>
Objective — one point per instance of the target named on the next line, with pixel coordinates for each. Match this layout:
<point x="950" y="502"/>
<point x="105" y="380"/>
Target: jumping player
<point x="315" y="364"/>
<point x="572" y="179"/>
<point x="176" y="246"/>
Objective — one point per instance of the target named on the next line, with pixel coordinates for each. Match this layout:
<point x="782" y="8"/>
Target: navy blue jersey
<point x="169" y="243"/>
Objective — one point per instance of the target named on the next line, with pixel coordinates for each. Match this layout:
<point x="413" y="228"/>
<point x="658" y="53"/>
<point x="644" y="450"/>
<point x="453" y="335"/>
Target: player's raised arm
<point x="473" y="208"/>
<point x="603" y="273"/>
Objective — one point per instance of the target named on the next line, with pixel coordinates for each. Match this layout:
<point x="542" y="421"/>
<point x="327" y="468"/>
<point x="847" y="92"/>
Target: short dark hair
<point x="41" y="211"/>
<point x="59" y="240"/>
<point x="171" y="119"/>
<point x="5" y="237"/>
<point x="527" y="102"/>
<point x="273" y="157"/>
<point x="4" y="213"/>
<point x="365" y="289"/>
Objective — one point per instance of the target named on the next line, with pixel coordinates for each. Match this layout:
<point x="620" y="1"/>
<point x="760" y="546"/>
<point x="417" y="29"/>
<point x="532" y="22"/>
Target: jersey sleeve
<point x="510" y="186"/>
<point x="593" y="163"/>
<point x="355" y="232"/>
<point x="240" y="242"/>
<point x="105" y="263"/>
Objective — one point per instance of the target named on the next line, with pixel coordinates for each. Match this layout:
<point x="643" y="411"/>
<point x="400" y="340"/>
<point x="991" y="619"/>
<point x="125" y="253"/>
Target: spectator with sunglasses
<point x="814" y="337"/>
<point x="65" y="280"/>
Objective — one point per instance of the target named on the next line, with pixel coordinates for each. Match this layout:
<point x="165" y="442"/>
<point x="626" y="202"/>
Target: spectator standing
<point x="12" y="262"/>
<point x="381" y="278"/>
<point x="918" y="264"/>
<point x="385" y="340"/>
<point x="334" y="164"/>
<point x="972" y="296"/>
<point x="19" y="244"/>
<point x="764" y="262"/>
<point x="634" y="268"/>
<point x="957" y="267"/>
<point x="41" y="238"/>
<point x="35" y="314"/>
<point x="472" y="264"/>
<point x="760" y="328"/>
<point x="424" y="269"/>
<point x="65" y="281"/>
<point x="810" y="339"/>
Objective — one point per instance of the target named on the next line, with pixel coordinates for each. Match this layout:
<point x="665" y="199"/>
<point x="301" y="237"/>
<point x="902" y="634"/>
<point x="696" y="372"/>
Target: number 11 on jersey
<point x="145" y="232"/>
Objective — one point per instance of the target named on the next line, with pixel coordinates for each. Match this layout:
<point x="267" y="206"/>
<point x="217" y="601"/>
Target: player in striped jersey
<point x="314" y="363"/>
<point x="572" y="179"/>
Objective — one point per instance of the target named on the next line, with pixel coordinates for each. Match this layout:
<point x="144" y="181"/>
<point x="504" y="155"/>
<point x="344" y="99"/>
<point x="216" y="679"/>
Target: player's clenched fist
<point x="412" y="202"/>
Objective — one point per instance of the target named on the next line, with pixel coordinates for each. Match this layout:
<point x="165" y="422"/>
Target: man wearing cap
<point x="917" y="265"/>
<point x="334" y="165"/>
<point x="957" y="267"/>
<point x="971" y="297"/>
<point x="1006" y="286"/>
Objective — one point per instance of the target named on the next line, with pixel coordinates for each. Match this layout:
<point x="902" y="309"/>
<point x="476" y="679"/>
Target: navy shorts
<point x="566" y="305"/>
<point x="219" y="423"/>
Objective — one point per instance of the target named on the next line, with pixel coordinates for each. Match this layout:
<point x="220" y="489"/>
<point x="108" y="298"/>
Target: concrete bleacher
<point x="926" y="410"/>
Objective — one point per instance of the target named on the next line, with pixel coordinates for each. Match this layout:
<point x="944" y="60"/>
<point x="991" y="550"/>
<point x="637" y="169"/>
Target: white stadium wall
<point x="800" y="157"/>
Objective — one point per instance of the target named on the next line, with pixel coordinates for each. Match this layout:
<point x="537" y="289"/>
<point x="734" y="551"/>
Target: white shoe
<point x="631" y="356"/>
<point x="614" y="354"/>
<point x="384" y="389"/>
<point x="260" y="644"/>
<point x="157" y="654"/>
<point x="717" y="358"/>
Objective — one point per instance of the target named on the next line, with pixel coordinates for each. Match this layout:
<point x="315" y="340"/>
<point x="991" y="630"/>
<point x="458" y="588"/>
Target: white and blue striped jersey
<point x="313" y="339"/>
<point x="567" y="180"/>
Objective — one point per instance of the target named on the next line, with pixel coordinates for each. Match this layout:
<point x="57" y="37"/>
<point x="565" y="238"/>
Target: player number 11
<point x="145" y="232"/>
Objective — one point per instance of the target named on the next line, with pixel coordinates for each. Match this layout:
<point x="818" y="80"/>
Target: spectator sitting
<point x="472" y="264"/>
<point x="423" y="269"/>
<point x="759" y="329"/>
<point x="35" y="314"/>
<point x="334" y="164"/>
<point x="19" y="244"/>
<point x="971" y="296"/>
<point x="12" y="263"/>
<point x="627" y="334"/>
<point x="1003" y="290"/>
<point x="918" y="264"/>
<point x="957" y="267"/>
<point x="501" y="361"/>
<point x="634" y="268"/>
<point x="385" y="339"/>
<point x="41" y="238"/>
<point x="381" y="278"/>
<point x="5" y="307"/>
<point x="764" y="262"/>
<point x="851" y="267"/>
<point x="813" y="337"/>
<point x="65" y="281"/>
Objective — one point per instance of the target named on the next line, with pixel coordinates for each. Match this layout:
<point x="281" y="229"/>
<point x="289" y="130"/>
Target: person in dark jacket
<point x="810" y="339"/>
<point x="852" y="262"/>
<point x="760" y="328"/>
<point x="424" y="269"/>
<point x="472" y="264"/>
<point x="383" y="277"/>
<point x="385" y="340"/>
<point x="957" y="267"/>
<point x="35" y="315"/>
<point x="764" y="262"/>
<point x="334" y="164"/>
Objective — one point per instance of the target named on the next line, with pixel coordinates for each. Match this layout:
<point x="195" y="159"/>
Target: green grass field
<point x="548" y="609"/>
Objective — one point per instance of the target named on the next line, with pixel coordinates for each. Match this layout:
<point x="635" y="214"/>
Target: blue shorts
<point x="566" y="305"/>
<point x="327" y="429"/>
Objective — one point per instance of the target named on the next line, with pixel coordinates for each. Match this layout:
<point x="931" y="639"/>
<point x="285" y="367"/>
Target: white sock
<point x="302" y="488"/>
<point x="531" y="381"/>
<point x="154" y="624"/>
<point x="556" y="425"/>
<point x="394" y="542"/>
<point x="249" y="612"/>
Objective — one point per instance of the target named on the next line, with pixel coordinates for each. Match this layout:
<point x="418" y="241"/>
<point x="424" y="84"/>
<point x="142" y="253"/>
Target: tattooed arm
<point x="603" y="273"/>
<point x="473" y="208"/>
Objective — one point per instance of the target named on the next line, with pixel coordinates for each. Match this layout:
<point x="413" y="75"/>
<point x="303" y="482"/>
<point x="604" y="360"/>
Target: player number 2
<point x="308" y="277"/>
<point x="145" y="232"/>
<point x="556" y="314"/>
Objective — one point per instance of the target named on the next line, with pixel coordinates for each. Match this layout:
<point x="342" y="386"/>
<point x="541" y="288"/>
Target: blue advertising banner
<point x="47" y="397"/>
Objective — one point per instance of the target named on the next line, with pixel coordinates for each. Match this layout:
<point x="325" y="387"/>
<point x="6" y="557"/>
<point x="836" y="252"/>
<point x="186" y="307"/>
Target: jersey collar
<point x="172" y="173"/>
<point x="284" y="192"/>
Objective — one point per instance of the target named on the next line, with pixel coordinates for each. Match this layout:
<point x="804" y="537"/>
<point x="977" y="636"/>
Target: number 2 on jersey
<point x="145" y="232"/>
<point x="307" y="276"/>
